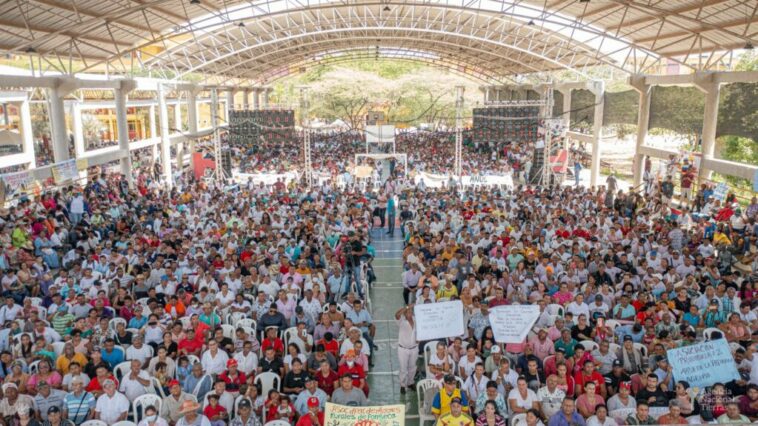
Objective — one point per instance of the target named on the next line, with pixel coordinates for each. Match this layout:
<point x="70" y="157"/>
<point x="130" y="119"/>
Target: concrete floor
<point x="386" y="298"/>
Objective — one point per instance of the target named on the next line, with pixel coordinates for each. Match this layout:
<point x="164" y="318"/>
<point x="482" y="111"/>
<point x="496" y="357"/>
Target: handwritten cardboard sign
<point x="383" y="415"/>
<point x="512" y="323"/>
<point x="703" y="364"/>
<point x="439" y="320"/>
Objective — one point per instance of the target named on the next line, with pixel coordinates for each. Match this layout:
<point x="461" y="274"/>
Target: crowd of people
<point x="242" y="304"/>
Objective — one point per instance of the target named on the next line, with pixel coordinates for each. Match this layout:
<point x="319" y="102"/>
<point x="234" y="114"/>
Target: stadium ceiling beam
<point x="638" y="57"/>
<point x="315" y="47"/>
<point x="42" y="29"/>
<point x="730" y="24"/>
<point x="657" y="14"/>
<point x="450" y="66"/>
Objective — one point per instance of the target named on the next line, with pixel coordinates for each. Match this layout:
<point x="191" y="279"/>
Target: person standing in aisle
<point x="407" y="347"/>
<point x="391" y="215"/>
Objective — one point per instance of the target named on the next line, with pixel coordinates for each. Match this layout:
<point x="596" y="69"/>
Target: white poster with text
<point x="512" y="323"/>
<point x="439" y="320"/>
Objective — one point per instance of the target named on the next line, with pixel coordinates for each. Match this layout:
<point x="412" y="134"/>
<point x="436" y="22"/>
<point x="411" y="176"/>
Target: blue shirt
<point x="356" y="318"/>
<point x="559" y="419"/>
<point x="137" y="322"/>
<point x="114" y="358"/>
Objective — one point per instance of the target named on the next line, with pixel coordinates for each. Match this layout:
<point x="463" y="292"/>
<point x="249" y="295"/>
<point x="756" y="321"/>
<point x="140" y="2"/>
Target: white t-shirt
<point x="142" y="354"/>
<point x="468" y="366"/>
<point x="132" y="388"/>
<point x="111" y="409"/>
<point x="527" y="402"/>
<point x="214" y="365"/>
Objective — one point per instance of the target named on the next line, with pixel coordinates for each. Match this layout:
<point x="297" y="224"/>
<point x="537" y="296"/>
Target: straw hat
<point x="188" y="406"/>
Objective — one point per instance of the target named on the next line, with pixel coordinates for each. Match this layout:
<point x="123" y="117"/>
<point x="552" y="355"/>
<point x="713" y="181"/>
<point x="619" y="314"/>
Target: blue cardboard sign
<point x="703" y="364"/>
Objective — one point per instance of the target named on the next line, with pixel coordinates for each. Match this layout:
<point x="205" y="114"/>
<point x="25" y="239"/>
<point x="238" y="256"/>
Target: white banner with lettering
<point x="266" y="178"/>
<point x="439" y="320"/>
<point x="437" y="181"/>
<point x="512" y="323"/>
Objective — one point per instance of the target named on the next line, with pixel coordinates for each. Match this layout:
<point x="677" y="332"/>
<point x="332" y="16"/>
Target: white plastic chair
<point x="246" y="322"/>
<point x="34" y="367"/>
<point x="555" y="309"/>
<point x="277" y="423"/>
<point x="124" y="423"/>
<point x="268" y="381"/>
<point x="122" y="370"/>
<point x="421" y="387"/>
<point x="428" y="348"/>
<point x="614" y="348"/>
<point x="58" y="347"/>
<point x="144" y="401"/>
<point x="642" y="348"/>
<point x="228" y="330"/>
<point x="235" y="317"/>
<point x="518" y="419"/>
<point x="708" y="333"/>
<point x="193" y="359"/>
<point x="589" y="345"/>
<point x="186" y="322"/>
<point x="287" y="335"/>
<point x="116" y="321"/>
<point x="94" y="423"/>
<point x="612" y="324"/>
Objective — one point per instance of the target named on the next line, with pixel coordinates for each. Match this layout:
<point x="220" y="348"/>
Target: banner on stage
<point x="64" y="171"/>
<point x="511" y="324"/>
<point x="266" y="178"/>
<point x="438" y="181"/>
<point x="703" y="364"/>
<point x="439" y="320"/>
<point x="381" y="415"/>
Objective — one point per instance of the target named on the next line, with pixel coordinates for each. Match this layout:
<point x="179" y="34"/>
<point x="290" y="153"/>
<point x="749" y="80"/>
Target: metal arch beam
<point x="394" y="52"/>
<point x="509" y="46"/>
<point x="317" y="44"/>
<point x="208" y="29"/>
<point x="336" y="60"/>
<point x="42" y="29"/>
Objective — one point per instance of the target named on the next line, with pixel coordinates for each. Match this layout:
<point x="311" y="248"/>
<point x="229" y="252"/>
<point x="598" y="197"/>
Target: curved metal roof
<point x="487" y="39"/>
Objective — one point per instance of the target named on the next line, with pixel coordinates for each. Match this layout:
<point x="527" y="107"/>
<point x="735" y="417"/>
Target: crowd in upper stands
<point x="242" y="304"/>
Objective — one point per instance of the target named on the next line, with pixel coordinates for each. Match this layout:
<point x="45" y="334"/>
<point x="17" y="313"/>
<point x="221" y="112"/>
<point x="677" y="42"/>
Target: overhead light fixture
<point x="30" y="50"/>
<point x="386" y="8"/>
<point x="531" y="22"/>
<point x="584" y="1"/>
<point x="241" y="24"/>
<point x="748" y="45"/>
<point x="194" y="1"/>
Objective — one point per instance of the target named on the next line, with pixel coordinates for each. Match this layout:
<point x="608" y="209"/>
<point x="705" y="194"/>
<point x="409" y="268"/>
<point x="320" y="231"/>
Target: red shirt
<point x="356" y="372"/>
<point x="233" y="383"/>
<point x="211" y="411"/>
<point x="190" y="346"/>
<point x="306" y="420"/>
<point x="332" y="346"/>
<point x="276" y="343"/>
<point x="580" y="379"/>
<point x="94" y="384"/>
<point x="326" y="384"/>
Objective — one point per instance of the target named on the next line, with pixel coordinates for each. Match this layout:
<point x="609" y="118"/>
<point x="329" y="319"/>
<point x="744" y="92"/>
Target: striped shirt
<point x="79" y="407"/>
<point x="55" y="399"/>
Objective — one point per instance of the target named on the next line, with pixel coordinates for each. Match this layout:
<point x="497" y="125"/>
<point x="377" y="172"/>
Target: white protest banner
<point x="382" y="415"/>
<point x="265" y="178"/>
<point x="512" y="323"/>
<point x="65" y="171"/>
<point x="438" y="320"/>
<point x="703" y="364"/>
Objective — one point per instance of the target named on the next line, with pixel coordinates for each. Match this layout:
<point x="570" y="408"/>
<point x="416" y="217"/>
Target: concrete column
<point x="214" y="108"/>
<point x="165" y="141"/>
<point x="192" y="122"/>
<point x="59" y="135"/>
<point x="246" y="99"/>
<point x="122" y="125"/>
<point x="229" y="104"/>
<point x="712" y="90"/>
<point x="266" y="92"/>
<point x="643" y="122"/>
<point x="487" y="95"/>
<point x="597" y="131"/>
<point x="78" y="128"/>
<point x="256" y="98"/>
<point x="566" y="116"/>
<point x="26" y="133"/>
<point x="178" y="124"/>
<point x="153" y="133"/>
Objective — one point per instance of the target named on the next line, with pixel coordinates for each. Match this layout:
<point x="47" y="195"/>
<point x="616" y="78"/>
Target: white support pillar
<point x="178" y="124"/>
<point x="256" y="98"/>
<point x="165" y="142"/>
<point x="712" y="89"/>
<point x="643" y="122"/>
<point x="153" y="134"/>
<point x="78" y="128"/>
<point x="246" y="99"/>
<point x="59" y="135"/>
<point x="26" y="133"/>
<point x="122" y="125"/>
<point x="487" y="95"/>
<point x="598" y="88"/>
<point x="229" y="104"/>
<point x="266" y="91"/>
<point x="192" y="122"/>
<point x="214" y="108"/>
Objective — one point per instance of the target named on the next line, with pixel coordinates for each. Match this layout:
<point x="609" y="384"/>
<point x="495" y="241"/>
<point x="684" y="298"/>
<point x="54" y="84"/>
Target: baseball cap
<point x="231" y="363"/>
<point x="244" y="404"/>
<point x="627" y="338"/>
<point x="173" y="383"/>
<point x="455" y="400"/>
<point x="618" y="363"/>
<point x="53" y="409"/>
<point x="495" y="349"/>
<point x="313" y="402"/>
